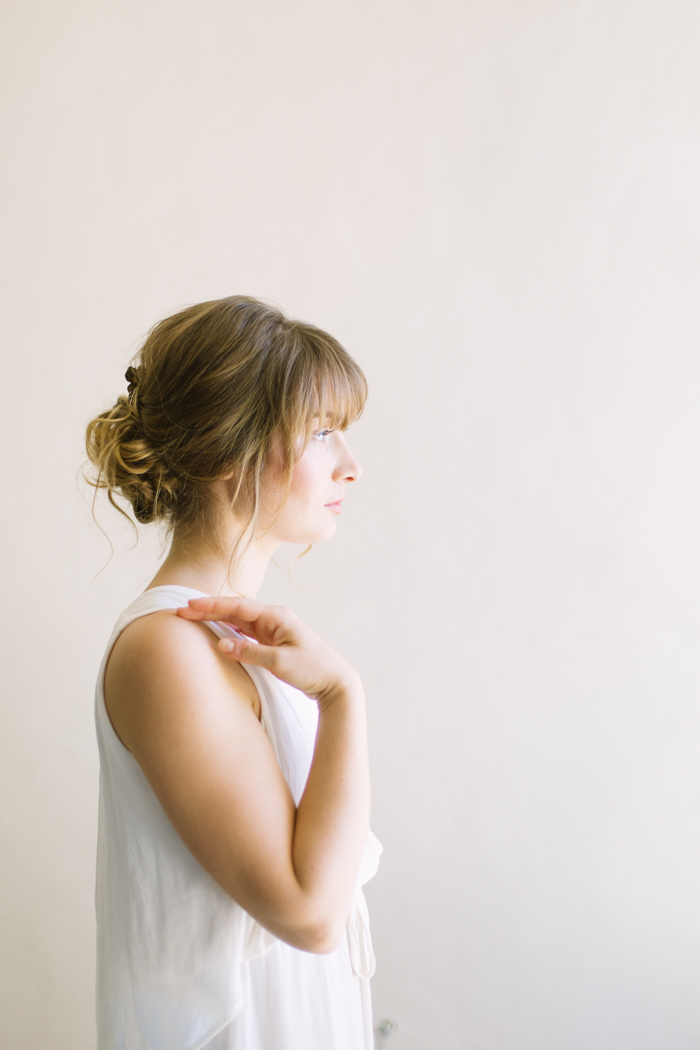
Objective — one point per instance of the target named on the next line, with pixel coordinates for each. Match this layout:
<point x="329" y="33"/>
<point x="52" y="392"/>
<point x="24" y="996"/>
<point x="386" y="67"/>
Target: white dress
<point x="180" y="965"/>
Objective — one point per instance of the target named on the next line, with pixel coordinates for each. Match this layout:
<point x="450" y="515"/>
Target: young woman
<point x="234" y="788"/>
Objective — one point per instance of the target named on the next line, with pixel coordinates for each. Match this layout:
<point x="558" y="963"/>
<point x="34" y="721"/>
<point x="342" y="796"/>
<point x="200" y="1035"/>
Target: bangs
<point x="324" y="383"/>
<point x="339" y="397"/>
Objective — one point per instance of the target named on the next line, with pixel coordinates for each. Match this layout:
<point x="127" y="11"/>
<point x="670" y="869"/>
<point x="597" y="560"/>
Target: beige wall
<point x="495" y="206"/>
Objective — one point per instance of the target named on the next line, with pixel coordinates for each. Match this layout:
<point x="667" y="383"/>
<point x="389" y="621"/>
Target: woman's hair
<point x="211" y="391"/>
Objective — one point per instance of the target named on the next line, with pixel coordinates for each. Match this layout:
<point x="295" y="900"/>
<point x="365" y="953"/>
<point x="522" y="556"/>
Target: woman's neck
<point x="196" y="563"/>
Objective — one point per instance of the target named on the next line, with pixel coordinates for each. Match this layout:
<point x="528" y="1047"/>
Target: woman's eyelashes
<point x="321" y="435"/>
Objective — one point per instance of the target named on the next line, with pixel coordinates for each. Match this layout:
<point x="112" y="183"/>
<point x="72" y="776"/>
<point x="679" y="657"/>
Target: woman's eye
<point x="321" y="435"/>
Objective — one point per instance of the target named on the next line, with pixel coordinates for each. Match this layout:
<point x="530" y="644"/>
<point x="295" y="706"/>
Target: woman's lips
<point x="335" y="507"/>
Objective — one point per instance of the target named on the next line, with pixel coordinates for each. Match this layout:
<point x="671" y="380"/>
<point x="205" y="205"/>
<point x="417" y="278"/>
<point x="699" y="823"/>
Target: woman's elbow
<point x="320" y="937"/>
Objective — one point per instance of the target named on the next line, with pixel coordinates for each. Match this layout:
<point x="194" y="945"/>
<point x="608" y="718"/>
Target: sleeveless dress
<point x="180" y="965"/>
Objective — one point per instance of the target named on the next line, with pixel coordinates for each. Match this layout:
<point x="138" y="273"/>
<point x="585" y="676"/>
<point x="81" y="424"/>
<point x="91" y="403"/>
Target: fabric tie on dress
<point x="359" y="937"/>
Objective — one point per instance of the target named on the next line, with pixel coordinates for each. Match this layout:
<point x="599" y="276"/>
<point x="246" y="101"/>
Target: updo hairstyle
<point x="210" y="390"/>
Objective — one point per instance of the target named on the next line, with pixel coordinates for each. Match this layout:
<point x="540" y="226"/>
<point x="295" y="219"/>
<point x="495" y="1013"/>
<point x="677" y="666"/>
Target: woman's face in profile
<point x="318" y="487"/>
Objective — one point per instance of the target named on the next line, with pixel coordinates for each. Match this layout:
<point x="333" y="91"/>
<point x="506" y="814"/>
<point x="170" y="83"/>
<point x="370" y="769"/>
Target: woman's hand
<point x="280" y="642"/>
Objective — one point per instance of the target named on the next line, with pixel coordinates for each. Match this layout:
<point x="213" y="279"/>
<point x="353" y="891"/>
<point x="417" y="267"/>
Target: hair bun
<point x="127" y="461"/>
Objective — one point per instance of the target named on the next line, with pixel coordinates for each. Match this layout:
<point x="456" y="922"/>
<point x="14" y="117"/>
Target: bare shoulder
<point x="161" y="666"/>
<point x="157" y="639"/>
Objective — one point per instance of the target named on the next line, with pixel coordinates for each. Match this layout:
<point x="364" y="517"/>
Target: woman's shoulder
<point x="160" y="661"/>
<point x="159" y="637"/>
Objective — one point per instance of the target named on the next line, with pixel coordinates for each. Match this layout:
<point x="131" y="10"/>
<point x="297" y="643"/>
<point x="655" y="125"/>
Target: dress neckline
<point x="175" y="587"/>
<point x="191" y="590"/>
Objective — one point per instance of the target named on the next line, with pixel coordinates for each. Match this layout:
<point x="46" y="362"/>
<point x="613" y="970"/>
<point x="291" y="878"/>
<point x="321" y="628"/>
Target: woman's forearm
<point x="332" y="817"/>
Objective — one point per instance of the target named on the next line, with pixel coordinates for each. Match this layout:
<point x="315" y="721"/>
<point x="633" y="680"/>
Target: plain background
<point x="494" y="205"/>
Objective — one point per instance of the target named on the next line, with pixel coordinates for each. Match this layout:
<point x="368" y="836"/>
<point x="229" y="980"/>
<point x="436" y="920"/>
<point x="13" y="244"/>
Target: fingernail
<point x="227" y="645"/>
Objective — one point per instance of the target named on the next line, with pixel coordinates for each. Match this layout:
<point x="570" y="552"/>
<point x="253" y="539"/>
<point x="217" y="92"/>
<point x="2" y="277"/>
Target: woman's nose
<point x="349" y="468"/>
<point x="355" y="471"/>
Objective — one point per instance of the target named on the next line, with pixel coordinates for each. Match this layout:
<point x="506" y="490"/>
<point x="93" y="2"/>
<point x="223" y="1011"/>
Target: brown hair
<point x="211" y="389"/>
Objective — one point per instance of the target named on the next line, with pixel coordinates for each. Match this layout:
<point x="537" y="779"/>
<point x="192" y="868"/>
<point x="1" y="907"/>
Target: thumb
<point x="247" y="652"/>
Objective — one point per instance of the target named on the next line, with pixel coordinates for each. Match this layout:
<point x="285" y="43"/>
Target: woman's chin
<point x="321" y="533"/>
<point x="326" y="533"/>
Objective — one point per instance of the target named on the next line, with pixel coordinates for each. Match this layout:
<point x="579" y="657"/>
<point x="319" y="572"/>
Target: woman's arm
<point x="180" y="707"/>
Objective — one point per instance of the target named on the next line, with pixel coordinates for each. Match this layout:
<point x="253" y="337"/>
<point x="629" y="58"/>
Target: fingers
<point x="268" y="624"/>
<point x="229" y="610"/>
